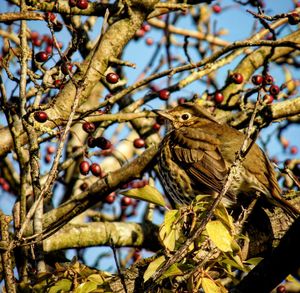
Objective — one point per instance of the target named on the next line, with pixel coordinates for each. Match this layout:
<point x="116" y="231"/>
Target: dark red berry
<point x="294" y="18"/>
<point x="164" y="94"/>
<point x="58" y="26"/>
<point x="156" y="127"/>
<point x="274" y="90"/>
<point x="72" y="3"/>
<point x="103" y="143"/>
<point x="83" y="186"/>
<point x="95" y="169"/>
<point x="41" y="56"/>
<point x="50" y="149"/>
<point x="268" y="79"/>
<point x="110" y="198"/>
<point x="126" y="201"/>
<point x="41" y="116"/>
<point x="257" y="79"/>
<point x="58" y="83"/>
<point x="5" y="186"/>
<point x="281" y="289"/>
<point x="88" y="127"/>
<point x="216" y="8"/>
<point x="268" y="99"/>
<point x="218" y="97"/>
<point x="139" y="143"/>
<point x="91" y="142"/>
<point x="66" y="68"/>
<point x="84" y="167"/>
<point x="237" y="78"/>
<point x="112" y="77"/>
<point x="294" y="150"/>
<point x="82" y="4"/>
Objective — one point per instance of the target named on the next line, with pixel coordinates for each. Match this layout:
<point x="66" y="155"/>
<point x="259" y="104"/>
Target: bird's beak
<point x="163" y="114"/>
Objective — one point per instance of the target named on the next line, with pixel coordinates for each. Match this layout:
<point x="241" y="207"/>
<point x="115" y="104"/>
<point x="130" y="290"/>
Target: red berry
<point x="146" y="27"/>
<point x="83" y="186"/>
<point x="50" y="16"/>
<point x="181" y="101"/>
<point x="66" y="68"/>
<point x="218" y="97"/>
<point x="268" y="99"/>
<point x="41" y="116"/>
<point x="103" y="143"/>
<point x="110" y="198"/>
<point x="293" y="150"/>
<point x="50" y="149"/>
<point x="139" y="33"/>
<point x="268" y="79"/>
<point x="82" y="4"/>
<point x="281" y="289"/>
<point x="2" y="180"/>
<point x="164" y="94"/>
<point x="156" y="127"/>
<point x="95" y="169"/>
<point x="294" y="18"/>
<point x="49" y="50"/>
<point x="88" y="127"/>
<point x="257" y="79"/>
<point x="126" y="201"/>
<point x="37" y="42"/>
<point x="149" y="41"/>
<point x="112" y="77"/>
<point x="216" y="8"/>
<point x="72" y="3"/>
<point x="84" y="167"/>
<point x="285" y="143"/>
<point x="34" y="35"/>
<point x="47" y="159"/>
<point x="237" y="78"/>
<point x="41" y="56"/>
<point x="139" y="143"/>
<point x="58" y="83"/>
<point x="5" y="186"/>
<point x="274" y="90"/>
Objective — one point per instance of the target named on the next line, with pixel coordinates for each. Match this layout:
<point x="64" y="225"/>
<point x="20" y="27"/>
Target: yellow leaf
<point x="209" y="286"/>
<point x="146" y="193"/>
<point x="153" y="267"/>
<point x="219" y="234"/>
<point x="222" y="214"/>
<point x="168" y="239"/>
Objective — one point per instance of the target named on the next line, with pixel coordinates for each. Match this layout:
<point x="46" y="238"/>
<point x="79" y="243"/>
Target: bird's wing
<point x="204" y="164"/>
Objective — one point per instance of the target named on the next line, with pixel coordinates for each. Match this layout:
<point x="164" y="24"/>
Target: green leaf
<point x="254" y="260"/>
<point x="63" y="285"/>
<point x="220" y="236"/>
<point x="168" y="239"/>
<point x="209" y="286"/>
<point x="173" y="270"/>
<point x="86" y="287"/>
<point x="222" y="214"/>
<point x="170" y="218"/>
<point x="96" y="278"/>
<point x="153" y="267"/>
<point x="146" y="193"/>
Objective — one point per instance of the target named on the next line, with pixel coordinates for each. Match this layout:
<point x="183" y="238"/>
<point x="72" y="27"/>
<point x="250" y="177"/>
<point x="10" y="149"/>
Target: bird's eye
<point x="185" y="116"/>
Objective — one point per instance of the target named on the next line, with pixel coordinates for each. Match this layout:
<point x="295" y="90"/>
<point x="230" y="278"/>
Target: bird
<point x="195" y="157"/>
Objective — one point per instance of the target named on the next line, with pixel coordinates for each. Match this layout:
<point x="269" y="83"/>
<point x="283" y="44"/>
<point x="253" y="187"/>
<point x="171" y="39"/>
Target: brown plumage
<point x="196" y="154"/>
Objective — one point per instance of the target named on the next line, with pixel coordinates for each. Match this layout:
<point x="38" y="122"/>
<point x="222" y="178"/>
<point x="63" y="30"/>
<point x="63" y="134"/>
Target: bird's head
<point x="186" y="115"/>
